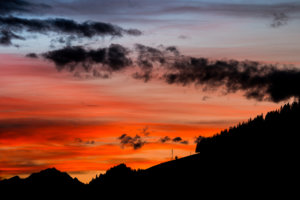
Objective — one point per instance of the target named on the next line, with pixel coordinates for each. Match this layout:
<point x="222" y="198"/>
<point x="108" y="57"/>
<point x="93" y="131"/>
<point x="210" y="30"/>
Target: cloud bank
<point x="259" y="81"/>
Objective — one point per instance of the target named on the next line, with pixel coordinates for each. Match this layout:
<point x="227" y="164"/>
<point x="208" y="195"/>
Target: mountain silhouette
<point x="52" y="177"/>
<point x="255" y="157"/>
<point x="50" y="182"/>
<point x="48" y="177"/>
<point x="13" y="180"/>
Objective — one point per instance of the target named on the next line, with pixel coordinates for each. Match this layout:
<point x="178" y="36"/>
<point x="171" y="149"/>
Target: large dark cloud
<point x="19" y="6"/>
<point x="113" y="58"/>
<point x="88" y="29"/>
<point x="256" y="80"/>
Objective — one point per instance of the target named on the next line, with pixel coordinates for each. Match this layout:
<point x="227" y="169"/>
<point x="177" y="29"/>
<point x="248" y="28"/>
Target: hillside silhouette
<point x="50" y="182"/>
<point x="254" y="157"/>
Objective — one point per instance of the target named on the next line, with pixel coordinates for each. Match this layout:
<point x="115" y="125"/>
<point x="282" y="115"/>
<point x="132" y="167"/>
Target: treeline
<point x="272" y="136"/>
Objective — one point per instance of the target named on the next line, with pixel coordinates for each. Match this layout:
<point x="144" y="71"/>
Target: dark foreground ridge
<point x="256" y="157"/>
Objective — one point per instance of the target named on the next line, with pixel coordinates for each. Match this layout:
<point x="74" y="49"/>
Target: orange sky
<point x="55" y="119"/>
<point x="51" y="119"/>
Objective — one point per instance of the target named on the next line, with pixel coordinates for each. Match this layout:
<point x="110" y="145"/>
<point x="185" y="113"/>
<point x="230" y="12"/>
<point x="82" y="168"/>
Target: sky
<point x="87" y="85"/>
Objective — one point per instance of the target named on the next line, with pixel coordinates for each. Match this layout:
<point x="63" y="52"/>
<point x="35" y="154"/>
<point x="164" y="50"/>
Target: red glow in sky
<point x="73" y="121"/>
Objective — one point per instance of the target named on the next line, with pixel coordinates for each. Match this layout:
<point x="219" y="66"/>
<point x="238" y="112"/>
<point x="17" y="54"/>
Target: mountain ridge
<point x="246" y="157"/>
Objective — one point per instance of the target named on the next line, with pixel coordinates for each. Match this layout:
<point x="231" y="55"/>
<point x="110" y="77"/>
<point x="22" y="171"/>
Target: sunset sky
<point x="54" y="113"/>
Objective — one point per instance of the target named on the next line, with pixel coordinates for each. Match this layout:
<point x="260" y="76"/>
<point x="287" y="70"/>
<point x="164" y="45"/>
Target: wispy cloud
<point x="89" y="29"/>
<point x="150" y="8"/>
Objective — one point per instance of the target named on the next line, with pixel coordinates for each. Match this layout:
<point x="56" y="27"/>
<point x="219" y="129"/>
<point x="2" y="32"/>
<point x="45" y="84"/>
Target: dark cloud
<point x="279" y="19"/>
<point x="138" y="141"/>
<point x="66" y="26"/>
<point x="165" y="139"/>
<point x="184" y="142"/>
<point x="90" y="142"/>
<point x="135" y="142"/>
<point x="6" y="36"/>
<point x="88" y="29"/>
<point x="32" y="55"/>
<point x="134" y="32"/>
<point x="259" y="81"/>
<point x="8" y="6"/>
<point x="144" y="75"/>
<point x="19" y="6"/>
<point x="177" y="139"/>
<point x="117" y="57"/>
<point x="148" y="57"/>
<point x="113" y="58"/>
<point x="75" y="55"/>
